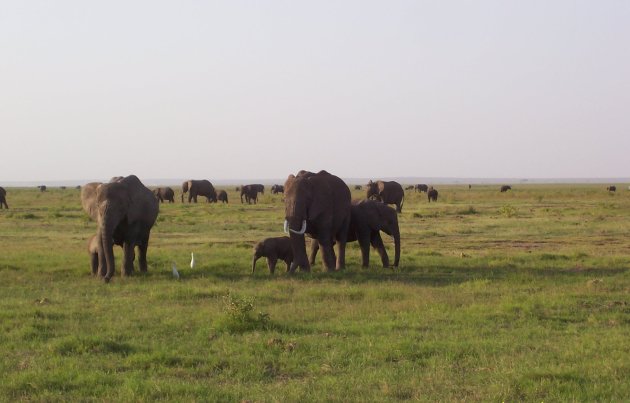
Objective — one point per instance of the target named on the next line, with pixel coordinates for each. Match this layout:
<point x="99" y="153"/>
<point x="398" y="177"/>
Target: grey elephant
<point x="317" y="205"/>
<point x="432" y="194"/>
<point x="165" y="193"/>
<point x="222" y="196"/>
<point x="196" y="188"/>
<point x="368" y="219"/>
<point x="42" y="188"/>
<point x="274" y="249"/>
<point x="388" y="192"/>
<point x="251" y="192"/>
<point x="505" y="188"/>
<point x="275" y="189"/>
<point x="3" y="198"/>
<point x="421" y="187"/>
<point x="126" y="211"/>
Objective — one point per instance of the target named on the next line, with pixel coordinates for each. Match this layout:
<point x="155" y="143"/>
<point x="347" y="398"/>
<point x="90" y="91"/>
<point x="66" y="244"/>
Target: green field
<point x="518" y="296"/>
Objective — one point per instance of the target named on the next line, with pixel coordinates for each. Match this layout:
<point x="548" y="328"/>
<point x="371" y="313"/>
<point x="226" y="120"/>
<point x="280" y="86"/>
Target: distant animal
<point x="62" y="187"/>
<point x="175" y="272"/>
<point x="42" y="188"/>
<point x="78" y="187"/>
<point x="196" y="188"/>
<point x="421" y="188"/>
<point x="238" y="188"/>
<point x="165" y="194"/>
<point x="358" y="187"/>
<point x="469" y="187"/>
<point x="612" y="188"/>
<point x="274" y="249"/>
<point x="317" y="204"/>
<point x="410" y="187"/>
<point x="387" y="192"/>
<point x="275" y="189"/>
<point x="125" y="211"/>
<point x="3" y="198"/>
<point x="505" y="188"/>
<point x="251" y="192"/>
<point x="222" y="196"/>
<point x="368" y="219"/>
<point x="432" y="194"/>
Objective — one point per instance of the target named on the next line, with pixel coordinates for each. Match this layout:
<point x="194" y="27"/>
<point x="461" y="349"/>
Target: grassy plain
<point x="518" y="296"/>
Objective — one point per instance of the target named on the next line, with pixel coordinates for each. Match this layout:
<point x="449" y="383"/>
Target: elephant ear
<point x="317" y="197"/>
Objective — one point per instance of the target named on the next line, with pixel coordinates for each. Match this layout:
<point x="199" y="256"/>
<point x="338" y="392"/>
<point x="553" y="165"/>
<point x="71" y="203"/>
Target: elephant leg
<point x="377" y="243"/>
<point x="314" y="249"/>
<point x="328" y="253"/>
<point x="128" y="257"/>
<point x="142" y="248"/>
<point x="102" y="262"/>
<point x="364" y="243"/>
<point x="94" y="263"/>
<point x="271" y="263"/>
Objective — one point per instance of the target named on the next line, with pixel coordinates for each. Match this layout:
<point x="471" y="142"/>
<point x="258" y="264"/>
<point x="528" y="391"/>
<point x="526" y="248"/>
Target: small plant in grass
<point x="469" y="211"/>
<point x="507" y="211"/>
<point x="238" y="316"/>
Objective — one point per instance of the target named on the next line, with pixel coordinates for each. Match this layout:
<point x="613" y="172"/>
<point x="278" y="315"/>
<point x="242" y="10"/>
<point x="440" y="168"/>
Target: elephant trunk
<point x="299" y="252"/>
<point x="254" y="259"/>
<point x="396" y="235"/>
<point x="106" y="245"/>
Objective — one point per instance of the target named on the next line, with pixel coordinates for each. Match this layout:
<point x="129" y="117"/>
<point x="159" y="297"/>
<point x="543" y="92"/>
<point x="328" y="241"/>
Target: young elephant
<point x="273" y="249"/>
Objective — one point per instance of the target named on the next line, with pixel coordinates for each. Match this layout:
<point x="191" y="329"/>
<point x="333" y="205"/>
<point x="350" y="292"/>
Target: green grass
<point x="517" y="296"/>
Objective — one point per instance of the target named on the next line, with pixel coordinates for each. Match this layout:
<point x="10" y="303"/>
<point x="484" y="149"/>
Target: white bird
<point x="192" y="260"/>
<point x="175" y="272"/>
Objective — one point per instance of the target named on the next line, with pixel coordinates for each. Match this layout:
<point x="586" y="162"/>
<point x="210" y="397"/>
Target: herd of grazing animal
<point x="317" y="205"/>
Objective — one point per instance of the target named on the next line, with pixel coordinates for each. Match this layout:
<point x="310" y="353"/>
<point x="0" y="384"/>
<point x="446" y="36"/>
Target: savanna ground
<point x="518" y="296"/>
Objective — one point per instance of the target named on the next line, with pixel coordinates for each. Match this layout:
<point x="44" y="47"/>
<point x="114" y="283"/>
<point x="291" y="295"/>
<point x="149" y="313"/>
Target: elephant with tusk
<point x="319" y="205"/>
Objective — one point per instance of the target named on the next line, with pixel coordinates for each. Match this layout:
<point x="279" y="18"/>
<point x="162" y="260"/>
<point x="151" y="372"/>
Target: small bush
<point x="469" y="211"/>
<point x="238" y="316"/>
<point x="507" y="211"/>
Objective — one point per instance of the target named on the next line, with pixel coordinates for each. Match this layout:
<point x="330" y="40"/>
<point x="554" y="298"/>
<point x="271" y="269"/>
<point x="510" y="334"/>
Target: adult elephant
<point x="126" y="211"/>
<point x="432" y="194"/>
<point x="368" y="218"/>
<point x="410" y="187"/>
<point x="317" y="205"/>
<point x="222" y="196"/>
<point x="251" y="192"/>
<point x="165" y="193"/>
<point x="3" y="198"/>
<point x="196" y="188"/>
<point x="42" y="188"/>
<point x="612" y="188"/>
<point x="358" y="187"/>
<point x="421" y="187"/>
<point x="275" y="189"/>
<point x="387" y="192"/>
<point x="505" y="188"/>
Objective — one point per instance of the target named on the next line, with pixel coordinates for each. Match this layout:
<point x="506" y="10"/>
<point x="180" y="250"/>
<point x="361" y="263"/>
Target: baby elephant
<point x="273" y="249"/>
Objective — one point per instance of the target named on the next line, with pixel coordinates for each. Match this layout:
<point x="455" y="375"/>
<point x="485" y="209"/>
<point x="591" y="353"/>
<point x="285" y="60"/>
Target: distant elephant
<point x="62" y="187"/>
<point x="251" y="192"/>
<point x="505" y="188"/>
<point x="42" y="188"/>
<point x="387" y="192"/>
<point x="421" y="188"/>
<point x="368" y="218"/>
<point x="612" y="188"/>
<point x="432" y="194"/>
<point x="196" y="188"/>
<point x="164" y="194"/>
<point x="273" y="249"/>
<point x="78" y="187"/>
<point x="222" y="196"/>
<point x="238" y="188"/>
<point x="410" y="187"/>
<point x="317" y="205"/>
<point x="3" y="198"/>
<point x="126" y="211"/>
<point x="275" y="189"/>
<point x="358" y="187"/>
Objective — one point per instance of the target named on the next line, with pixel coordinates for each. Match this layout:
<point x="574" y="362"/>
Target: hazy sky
<point x="261" y="89"/>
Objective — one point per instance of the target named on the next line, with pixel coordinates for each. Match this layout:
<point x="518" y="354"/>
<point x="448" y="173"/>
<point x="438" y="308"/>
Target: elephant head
<point x="185" y="186"/>
<point x="372" y="190"/>
<point x="318" y="205"/>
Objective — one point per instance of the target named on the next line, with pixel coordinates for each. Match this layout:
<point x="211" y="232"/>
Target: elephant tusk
<point x="302" y="230"/>
<point x="286" y="227"/>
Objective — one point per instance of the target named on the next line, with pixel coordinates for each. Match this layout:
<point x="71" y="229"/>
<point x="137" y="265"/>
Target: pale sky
<point x="260" y="89"/>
